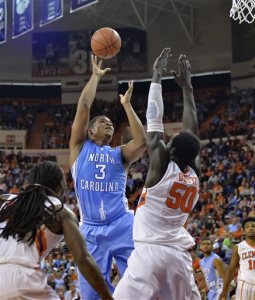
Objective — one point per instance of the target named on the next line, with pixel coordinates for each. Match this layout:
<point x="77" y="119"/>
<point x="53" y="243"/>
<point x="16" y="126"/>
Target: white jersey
<point x="14" y="252"/>
<point x="246" y="270"/>
<point x="163" y="209"/>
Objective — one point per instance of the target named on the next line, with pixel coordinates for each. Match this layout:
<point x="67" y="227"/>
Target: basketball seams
<point x="105" y="43"/>
<point x="99" y="42"/>
<point x="103" y="35"/>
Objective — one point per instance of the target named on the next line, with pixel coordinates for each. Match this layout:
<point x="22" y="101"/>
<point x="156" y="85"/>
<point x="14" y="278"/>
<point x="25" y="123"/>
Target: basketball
<point x="105" y="43"/>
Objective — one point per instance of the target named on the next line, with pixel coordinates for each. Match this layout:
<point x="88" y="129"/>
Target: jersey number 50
<point x="181" y="196"/>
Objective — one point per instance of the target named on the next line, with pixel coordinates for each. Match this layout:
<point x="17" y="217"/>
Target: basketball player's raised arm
<point x="189" y="117"/>
<point x="84" y="260"/>
<point x="82" y="116"/>
<point x="230" y="273"/>
<point x="156" y="147"/>
<point x="134" y="148"/>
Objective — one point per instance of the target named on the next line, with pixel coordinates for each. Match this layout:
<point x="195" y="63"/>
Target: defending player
<point x="243" y="256"/>
<point x="160" y="265"/>
<point x="213" y="268"/>
<point x="31" y="225"/>
<point x="99" y="173"/>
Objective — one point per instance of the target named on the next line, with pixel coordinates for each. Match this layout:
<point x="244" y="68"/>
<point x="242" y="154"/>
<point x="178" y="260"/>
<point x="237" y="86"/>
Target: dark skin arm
<point x="82" y="116"/>
<point x="136" y="147"/>
<point x="230" y="273"/>
<point x="220" y="267"/>
<point x="189" y="117"/>
<point x="68" y="224"/>
<point x="158" y="153"/>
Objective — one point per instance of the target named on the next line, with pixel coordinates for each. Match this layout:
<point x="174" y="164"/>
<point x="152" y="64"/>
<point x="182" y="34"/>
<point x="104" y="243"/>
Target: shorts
<point x="245" y="290"/>
<point x="22" y="283"/>
<point x="156" y="271"/>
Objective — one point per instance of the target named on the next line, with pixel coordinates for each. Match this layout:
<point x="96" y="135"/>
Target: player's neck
<point x="207" y="254"/>
<point x="250" y="242"/>
<point x="181" y="165"/>
<point x="101" y="142"/>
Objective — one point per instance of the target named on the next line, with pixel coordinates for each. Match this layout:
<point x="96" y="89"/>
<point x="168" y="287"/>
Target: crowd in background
<point x="57" y="128"/>
<point x="227" y="192"/>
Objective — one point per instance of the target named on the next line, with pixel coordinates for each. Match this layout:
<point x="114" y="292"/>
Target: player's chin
<point x="108" y="135"/>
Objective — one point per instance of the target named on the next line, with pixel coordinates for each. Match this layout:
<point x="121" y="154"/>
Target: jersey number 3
<point x="181" y="196"/>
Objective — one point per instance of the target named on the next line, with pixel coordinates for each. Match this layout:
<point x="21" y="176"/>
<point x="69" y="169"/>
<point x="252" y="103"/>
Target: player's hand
<point x="127" y="97"/>
<point x="161" y="62"/>
<point x="183" y="78"/>
<point x="97" y="67"/>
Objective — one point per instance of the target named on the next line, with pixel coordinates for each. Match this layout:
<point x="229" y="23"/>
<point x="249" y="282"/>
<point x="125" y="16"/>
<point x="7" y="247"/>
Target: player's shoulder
<point x="242" y="244"/>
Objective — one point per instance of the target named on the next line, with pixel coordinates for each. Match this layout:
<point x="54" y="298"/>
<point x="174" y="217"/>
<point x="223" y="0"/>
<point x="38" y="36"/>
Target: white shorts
<point x="156" y="271"/>
<point x="245" y="290"/>
<point x="21" y="283"/>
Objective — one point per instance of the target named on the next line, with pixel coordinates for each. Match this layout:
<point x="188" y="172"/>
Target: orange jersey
<point x="163" y="209"/>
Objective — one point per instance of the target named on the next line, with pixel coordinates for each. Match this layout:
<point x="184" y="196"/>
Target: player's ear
<point x="90" y="133"/>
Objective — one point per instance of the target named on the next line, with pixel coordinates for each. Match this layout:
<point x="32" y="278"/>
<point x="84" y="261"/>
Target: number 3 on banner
<point x="181" y="196"/>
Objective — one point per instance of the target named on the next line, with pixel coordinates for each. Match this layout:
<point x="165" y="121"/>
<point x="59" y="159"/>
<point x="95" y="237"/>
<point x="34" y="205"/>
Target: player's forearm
<point x="90" y="271"/>
<point x="89" y="92"/>
<point x="136" y="126"/>
<point x="227" y="280"/>
<point x="189" y="110"/>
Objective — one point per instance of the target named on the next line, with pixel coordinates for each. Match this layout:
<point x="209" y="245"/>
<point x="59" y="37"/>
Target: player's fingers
<point x="121" y="96"/>
<point x="182" y="63"/>
<point x="107" y="70"/>
<point x="188" y="65"/>
<point x="174" y="73"/>
<point x="130" y="85"/>
<point x="100" y="63"/>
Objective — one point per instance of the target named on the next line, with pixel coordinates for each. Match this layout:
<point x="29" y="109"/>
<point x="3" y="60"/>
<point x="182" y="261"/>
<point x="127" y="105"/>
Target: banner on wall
<point x="51" y="10"/>
<point x="68" y="53"/>
<point x="79" y="4"/>
<point x="3" y="21"/>
<point x="22" y="17"/>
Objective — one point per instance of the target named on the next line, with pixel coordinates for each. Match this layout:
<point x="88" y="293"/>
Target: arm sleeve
<point x="155" y="109"/>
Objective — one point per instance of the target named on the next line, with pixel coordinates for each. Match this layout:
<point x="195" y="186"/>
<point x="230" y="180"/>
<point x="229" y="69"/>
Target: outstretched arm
<point x="84" y="260"/>
<point x="156" y="147"/>
<point x="135" y="148"/>
<point x="189" y="118"/>
<point x="81" y="120"/>
<point x="230" y="273"/>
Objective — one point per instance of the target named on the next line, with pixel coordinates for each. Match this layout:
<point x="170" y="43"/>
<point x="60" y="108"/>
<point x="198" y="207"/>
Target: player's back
<point x="163" y="209"/>
<point x="100" y="182"/>
<point x="21" y="253"/>
<point x="246" y="262"/>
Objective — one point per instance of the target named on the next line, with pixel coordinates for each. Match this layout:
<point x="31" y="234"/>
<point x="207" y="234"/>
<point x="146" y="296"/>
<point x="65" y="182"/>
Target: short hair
<point x="206" y="238"/>
<point x="187" y="146"/>
<point x="93" y="121"/>
<point x="249" y="219"/>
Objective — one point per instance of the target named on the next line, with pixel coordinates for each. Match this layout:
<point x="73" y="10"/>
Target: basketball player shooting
<point x="99" y="173"/>
<point x="161" y="265"/>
